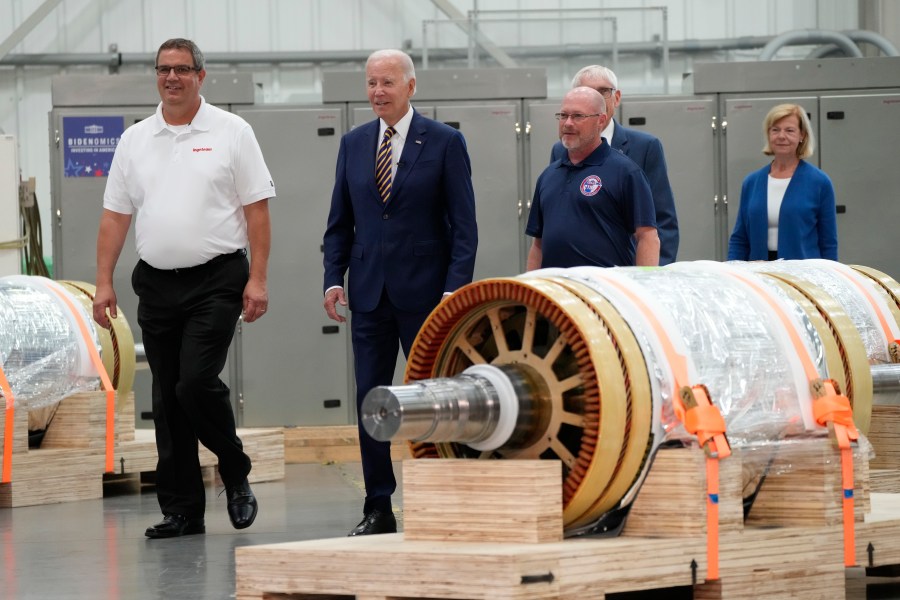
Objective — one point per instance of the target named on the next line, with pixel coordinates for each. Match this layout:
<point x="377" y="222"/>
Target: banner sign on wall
<point x="89" y="144"/>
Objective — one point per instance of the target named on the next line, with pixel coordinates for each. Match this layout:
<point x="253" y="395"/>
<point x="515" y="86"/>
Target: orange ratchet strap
<point x="104" y="378"/>
<point x="828" y="409"/>
<point x="6" y="475"/>
<point x="703" y="419"/>
<point x="833" y="410"/>
<point x="703" y="416"/>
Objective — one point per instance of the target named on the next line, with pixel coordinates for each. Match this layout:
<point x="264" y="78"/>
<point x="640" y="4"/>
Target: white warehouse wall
<point x="91" y="27"/>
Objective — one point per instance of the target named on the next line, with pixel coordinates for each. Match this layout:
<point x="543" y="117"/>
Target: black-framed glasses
<point x="180" y="70"/>
<point x="605" y="92"/>
<point x="577" y="117"/>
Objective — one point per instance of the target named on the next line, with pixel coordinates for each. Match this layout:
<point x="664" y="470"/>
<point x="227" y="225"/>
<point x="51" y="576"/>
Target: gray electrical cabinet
<point x="859" y="136"/>
<point x="685" y="128"/>
<point x="541" y="132"/>
<point x="854" y="109"/>
<point x="293" y="363"/>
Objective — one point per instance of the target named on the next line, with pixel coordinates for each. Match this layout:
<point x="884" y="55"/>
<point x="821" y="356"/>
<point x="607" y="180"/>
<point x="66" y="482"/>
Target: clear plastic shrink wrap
<point x="856" y="294"/>
<point x="42" y="351"/>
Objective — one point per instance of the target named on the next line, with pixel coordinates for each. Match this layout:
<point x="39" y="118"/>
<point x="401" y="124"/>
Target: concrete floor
<point x="97" y="550"/>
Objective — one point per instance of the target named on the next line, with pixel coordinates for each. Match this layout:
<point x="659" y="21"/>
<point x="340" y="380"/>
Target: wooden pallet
<point x="884" y="434"/>
<point x="70" y="464"/>
<point x="456" y="540"/>
<point x="329" y="444"/>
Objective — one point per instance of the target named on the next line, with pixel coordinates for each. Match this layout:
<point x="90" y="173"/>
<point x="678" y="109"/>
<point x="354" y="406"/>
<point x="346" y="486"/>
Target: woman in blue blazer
<point x="787" y="208"/>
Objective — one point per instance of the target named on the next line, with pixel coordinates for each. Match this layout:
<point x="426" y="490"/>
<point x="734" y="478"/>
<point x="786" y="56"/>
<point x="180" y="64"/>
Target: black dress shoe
<point x="176" y="526"/>
<point x="376" y="521"/>
<point x="242" y="506"/>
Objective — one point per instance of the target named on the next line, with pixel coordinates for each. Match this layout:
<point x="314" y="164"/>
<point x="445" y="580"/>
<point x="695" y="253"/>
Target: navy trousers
<point x="187" y="319"/>
<point x="375" y="337"/>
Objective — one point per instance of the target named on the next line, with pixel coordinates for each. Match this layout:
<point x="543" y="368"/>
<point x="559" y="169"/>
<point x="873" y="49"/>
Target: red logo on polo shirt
<point x="202" y="149"/>
<point x="591" y="185"/>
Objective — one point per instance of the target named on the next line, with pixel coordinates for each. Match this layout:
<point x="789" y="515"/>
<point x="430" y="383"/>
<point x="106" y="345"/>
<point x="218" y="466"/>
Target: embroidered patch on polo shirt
<point x="591" y="185"/>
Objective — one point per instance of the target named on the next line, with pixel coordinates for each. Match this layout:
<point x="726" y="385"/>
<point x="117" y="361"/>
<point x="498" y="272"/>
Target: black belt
<point x="211" y="262"/>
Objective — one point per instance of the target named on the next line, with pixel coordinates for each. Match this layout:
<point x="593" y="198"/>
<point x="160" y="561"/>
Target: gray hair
<point x="183" y="44"/>
<point x="592" y="72"/>
<point x="402" y="58"/>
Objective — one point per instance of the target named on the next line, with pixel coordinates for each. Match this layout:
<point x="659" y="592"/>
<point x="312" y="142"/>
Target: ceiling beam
<point x="449" y="9"/>
<point x="27" y="26"/>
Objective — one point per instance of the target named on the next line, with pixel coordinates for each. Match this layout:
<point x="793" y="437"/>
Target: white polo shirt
<point x="188" y="185"/>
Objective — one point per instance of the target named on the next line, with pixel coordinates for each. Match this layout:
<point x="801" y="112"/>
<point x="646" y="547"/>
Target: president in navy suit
<point x="643" y="148"/>
<point x="402" y="221"/>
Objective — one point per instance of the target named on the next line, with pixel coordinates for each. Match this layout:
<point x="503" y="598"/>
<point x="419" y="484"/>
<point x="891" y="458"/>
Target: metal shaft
<point x="886" y="384"/>
<point x="462" y="409"/>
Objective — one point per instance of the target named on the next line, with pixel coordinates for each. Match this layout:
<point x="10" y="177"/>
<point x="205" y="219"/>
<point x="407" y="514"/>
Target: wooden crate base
<point x="52" y="476"/>
<point x="328" y="444"/>
<point x="70" y="464"/>
<point x="796" y="561"/>
<point x="265" y="447"/>
<point x="884" y="434"/>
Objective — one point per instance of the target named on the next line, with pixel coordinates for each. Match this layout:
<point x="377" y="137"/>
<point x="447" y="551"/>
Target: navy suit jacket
<point x="422" y="241"/>
<point x="647" y="151"/>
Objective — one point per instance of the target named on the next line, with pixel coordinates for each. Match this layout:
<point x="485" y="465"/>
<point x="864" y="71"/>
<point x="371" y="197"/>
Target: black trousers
<point x="187" y="319"/>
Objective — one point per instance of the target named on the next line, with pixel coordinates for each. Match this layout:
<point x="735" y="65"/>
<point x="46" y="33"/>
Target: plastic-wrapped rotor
<point x="43" y="350"/>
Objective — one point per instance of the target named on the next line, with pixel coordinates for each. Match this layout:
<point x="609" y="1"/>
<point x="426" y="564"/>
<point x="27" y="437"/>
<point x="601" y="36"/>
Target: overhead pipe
<point x="116" y="59"/>
<point x="857" y="35"/>
<point x="693" y="46"/>
<point x="809" y="36"/>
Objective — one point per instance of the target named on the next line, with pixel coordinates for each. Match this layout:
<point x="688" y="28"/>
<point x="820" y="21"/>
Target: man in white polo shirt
<point x="195" y="178"/>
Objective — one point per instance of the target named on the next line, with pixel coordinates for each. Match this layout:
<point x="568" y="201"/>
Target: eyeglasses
<point x="577" y="117"/>
<point x="605" y="92"/>
<point x="180" y="70"/>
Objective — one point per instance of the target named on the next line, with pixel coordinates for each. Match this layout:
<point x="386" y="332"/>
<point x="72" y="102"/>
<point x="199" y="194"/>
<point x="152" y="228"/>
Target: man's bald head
<point x="582" y="119"/>
<point x="592" y="97"/>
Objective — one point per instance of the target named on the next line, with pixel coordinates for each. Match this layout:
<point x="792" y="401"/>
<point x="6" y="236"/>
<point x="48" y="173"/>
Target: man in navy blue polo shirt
<point x="594" y="206"/>
<point x="641" y="147"/>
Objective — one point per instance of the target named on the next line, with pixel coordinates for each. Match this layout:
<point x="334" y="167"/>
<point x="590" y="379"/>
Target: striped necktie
<point x="383" y="165"/>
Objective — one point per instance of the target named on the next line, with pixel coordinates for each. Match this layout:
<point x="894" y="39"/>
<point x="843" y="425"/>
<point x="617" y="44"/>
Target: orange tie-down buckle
<point x="832" y="409"/>
<point x="703" y="419"/>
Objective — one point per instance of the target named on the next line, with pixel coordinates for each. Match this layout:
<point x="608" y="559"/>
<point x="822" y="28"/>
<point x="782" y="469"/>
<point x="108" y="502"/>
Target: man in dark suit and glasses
<point x="402" y="221"/>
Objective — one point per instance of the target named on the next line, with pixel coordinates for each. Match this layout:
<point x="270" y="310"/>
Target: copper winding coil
<point x="597" y="410"/>
<point x="116" y="343"/>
